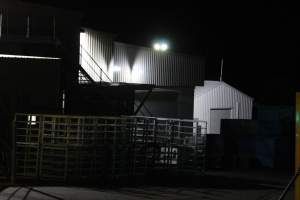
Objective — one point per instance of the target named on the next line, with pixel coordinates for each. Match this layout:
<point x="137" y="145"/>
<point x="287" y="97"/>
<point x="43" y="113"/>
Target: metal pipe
<point x="28" y="27"/>
<point x="221" y="75"/>
<point x="13" y="153"/>
<point x="1" y="16"/>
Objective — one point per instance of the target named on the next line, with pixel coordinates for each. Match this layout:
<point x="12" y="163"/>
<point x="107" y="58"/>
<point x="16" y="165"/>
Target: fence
<point x="80" y="147"/>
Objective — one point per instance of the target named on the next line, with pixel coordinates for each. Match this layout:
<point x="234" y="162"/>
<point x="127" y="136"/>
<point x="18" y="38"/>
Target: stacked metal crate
<point x="82" y="147"/>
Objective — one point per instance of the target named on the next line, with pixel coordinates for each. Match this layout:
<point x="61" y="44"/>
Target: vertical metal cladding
<point x="134" y="64"/>
<point x="100" y="47"/>
<point x="221" y="96"/>
<point x="144" y="65"/>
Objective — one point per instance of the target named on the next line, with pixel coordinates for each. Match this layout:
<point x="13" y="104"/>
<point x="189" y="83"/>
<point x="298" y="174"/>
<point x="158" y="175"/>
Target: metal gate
<point x="67" y="148"/>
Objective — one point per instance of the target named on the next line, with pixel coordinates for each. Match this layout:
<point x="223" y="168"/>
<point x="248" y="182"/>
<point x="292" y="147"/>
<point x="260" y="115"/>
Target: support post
<point x="297" y="146"/>
<point x="28" y="27"/>
<point x="1" y="19"/>
<point x="13" y="152"/>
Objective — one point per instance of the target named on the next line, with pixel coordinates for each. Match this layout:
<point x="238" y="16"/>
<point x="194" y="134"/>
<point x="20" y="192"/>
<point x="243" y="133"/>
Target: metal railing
<point x="95" y="72"/>
<point x="82" y="79"/>
<point x="92" y="67"/>
<point x="68" y="148"/>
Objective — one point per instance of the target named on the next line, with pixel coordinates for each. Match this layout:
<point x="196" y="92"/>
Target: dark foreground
<point x="211" y="186"/>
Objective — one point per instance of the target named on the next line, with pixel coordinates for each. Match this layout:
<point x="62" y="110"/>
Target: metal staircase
<point x="84" y="77"/>
<point x="97" y="75"/>
<point x="95" y="72"/>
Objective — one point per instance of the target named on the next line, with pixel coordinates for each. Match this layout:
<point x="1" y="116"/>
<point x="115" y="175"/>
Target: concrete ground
<point x="141" y="193"/>
<point x="212" y="186"/>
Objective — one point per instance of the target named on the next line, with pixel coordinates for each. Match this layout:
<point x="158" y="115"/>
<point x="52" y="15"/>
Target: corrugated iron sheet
<point x="100" y="47"/>
<point x="144" y="65"/>
<point x="222" y="96"/>
<point x="135" y="64"/>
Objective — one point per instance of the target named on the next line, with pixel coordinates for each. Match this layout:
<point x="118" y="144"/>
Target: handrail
<point x="85" y="74"/>
<point x="89" y="55"/>
<point x="92" y="69"/>
<point x="101" y="71"/>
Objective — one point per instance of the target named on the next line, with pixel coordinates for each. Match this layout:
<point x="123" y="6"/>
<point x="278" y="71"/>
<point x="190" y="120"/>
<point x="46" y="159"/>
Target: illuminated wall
<point x="134" y="64"/>
<point x="215" y="95"/>
<point x="96" y="50"/>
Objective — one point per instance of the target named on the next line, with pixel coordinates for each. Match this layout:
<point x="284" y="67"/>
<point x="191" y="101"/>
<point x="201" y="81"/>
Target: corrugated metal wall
<point x="100" y="47"/>
<point x="144" y="65"/>
<point x="222" y="96"/>
<point x="134" y="64"/>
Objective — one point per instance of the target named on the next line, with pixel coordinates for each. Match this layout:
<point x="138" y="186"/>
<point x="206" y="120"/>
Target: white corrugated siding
<point x="100" y="46"/>
<point x="140" y="64"/>
<point x="144" y="65"/>
<point x="222" y="96"/>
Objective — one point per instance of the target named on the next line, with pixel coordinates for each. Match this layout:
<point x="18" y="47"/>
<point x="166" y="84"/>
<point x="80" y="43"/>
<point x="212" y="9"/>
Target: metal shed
<point x="218" y="100"/>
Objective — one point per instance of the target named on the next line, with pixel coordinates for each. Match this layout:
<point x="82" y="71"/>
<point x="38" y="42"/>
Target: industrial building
<point x="78" y="106"/>
<point x="174" y="75"/>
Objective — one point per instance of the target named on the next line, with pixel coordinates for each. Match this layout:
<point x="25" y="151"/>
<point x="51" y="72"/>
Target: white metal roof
<point x="212" y="85"/>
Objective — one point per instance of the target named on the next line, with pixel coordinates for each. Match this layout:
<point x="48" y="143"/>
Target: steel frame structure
<point x="66" y="148"/>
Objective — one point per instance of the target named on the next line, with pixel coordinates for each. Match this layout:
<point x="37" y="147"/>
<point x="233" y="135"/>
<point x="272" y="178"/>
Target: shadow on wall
<point x="166" y="103"/>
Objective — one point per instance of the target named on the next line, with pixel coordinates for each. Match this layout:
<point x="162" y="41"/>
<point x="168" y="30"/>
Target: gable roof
<point x="209" y="86"/>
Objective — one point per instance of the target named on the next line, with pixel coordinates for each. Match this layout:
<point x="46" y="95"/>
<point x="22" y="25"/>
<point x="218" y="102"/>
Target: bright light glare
<point x="160" y="46"/>
<point x="32" y="119"/>
<point x="156" y="46"/>
<point x="116" y="68"/>
<point x="164" y="47"/>
<point x="29" y="57"/>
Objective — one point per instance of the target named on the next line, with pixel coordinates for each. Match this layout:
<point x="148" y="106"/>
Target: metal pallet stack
<point x="81" y="147"/>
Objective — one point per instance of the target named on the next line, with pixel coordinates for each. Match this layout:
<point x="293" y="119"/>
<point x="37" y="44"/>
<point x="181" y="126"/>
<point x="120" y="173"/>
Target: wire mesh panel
<point x="81" y="147"/>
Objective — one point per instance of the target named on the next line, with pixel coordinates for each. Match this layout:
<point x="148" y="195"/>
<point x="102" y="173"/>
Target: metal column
<point x="297" y="149"/>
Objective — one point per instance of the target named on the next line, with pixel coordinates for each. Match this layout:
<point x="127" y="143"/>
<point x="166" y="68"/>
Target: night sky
<point x="259" y="42"/>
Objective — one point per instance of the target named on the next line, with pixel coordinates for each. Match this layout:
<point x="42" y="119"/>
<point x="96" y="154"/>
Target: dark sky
<point x="259" y="41"/>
